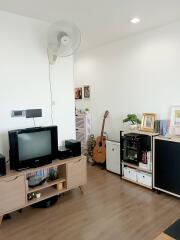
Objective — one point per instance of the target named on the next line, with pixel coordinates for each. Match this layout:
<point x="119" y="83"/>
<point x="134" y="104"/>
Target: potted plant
<point x="86" y="110"/>
<point x="91" y="142"/>
<point x="133" y="120"/>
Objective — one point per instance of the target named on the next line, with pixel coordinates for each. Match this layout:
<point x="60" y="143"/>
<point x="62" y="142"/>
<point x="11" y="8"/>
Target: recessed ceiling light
<point x="135" y="20"/>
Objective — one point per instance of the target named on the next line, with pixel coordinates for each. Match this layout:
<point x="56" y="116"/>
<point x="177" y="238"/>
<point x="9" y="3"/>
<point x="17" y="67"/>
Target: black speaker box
<point x="2" y="165"/>
<point x="74" y="146"/>
<point x="64" y="153"/>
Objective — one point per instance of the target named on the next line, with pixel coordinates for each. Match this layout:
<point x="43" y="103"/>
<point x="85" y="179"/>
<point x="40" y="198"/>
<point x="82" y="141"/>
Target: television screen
<point x="32" y="147"/>
<point x="34" y="144"/>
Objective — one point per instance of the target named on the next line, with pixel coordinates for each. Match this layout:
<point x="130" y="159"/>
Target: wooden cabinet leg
<point x="20" y="210"/>
<point x="1" y="218"/>
<point x="81" y="189"/>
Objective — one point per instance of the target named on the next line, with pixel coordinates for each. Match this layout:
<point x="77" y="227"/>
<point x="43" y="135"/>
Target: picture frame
<point x="147" y="123"/>
<point x="78" y="93"/>
<point x="175" y="116"/>
<point x="86" y="91"/>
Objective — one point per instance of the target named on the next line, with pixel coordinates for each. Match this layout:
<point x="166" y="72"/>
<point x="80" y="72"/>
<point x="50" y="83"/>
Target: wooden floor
<point x="110" y="209"/>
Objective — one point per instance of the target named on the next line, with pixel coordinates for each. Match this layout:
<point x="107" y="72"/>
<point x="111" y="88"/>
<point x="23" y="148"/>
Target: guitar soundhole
<point x="100" y="144"/>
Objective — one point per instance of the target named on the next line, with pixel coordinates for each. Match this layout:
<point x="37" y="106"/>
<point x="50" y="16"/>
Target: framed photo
<point x="148" y="121"/>
<point x="78" y="93"/>
<point x="175" y="116"/>
<point x="87" y="91"/>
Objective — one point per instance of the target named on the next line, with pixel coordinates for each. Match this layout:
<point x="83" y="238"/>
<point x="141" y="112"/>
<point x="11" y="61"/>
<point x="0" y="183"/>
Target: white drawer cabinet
<point x="83" y="130"/>
<point x="113" y="156"/>
<point x="12" y="194"/>
<point x="81" y="136"/>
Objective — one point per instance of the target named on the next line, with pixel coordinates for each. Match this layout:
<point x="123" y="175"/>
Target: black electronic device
<point x="64" y="153"/>
<point x="33" y="113"/>
<point x="32" y="147"/>
<point x="133" y="146"/>
<point x="2" y="165"/>
<point x="74" y="146"/>
<point x="46" y="203"/>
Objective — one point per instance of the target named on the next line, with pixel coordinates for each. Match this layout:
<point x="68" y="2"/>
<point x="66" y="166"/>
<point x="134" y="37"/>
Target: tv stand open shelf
<point x="46" y="193"/>
<point x="46" y="185"/>
<point x="14" y="186"/>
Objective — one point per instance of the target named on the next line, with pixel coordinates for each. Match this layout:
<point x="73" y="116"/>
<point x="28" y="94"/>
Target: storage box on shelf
<point x="137" y="171"/>
<point x="144" y="178"/>
<point x="130" y="173"/>
<point x="14" y="189"/>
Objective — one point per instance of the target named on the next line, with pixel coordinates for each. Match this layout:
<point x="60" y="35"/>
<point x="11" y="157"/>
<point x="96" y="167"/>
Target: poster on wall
<point x="175" y="116"/>
<point x="87" y="91"/>
<point x="78" y="93"/>
<point x="174" y="128"/>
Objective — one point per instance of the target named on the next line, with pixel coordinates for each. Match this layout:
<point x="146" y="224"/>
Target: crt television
<point x="32" y="147"/>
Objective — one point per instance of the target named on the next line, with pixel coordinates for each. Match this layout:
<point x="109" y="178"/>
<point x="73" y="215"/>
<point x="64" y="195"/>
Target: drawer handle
<point x="11" y="179"/>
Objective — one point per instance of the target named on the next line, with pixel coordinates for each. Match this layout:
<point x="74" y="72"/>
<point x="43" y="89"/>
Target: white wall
<point x="135" y="75"/>
<point x="24" y="78"/>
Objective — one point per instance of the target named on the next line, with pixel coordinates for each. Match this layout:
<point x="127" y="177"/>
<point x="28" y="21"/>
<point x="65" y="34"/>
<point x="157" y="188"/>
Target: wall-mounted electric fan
<point x="64" y="39"/>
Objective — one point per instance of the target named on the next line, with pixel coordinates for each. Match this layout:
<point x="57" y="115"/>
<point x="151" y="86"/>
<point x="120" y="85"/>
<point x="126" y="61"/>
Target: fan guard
<point x="63" y="40"/>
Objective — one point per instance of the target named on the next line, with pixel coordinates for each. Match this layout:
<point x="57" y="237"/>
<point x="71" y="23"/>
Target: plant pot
<point x="133" y="126"/>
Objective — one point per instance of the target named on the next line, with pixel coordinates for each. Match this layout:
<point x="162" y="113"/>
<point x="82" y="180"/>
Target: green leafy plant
<point x="90" y="145"/>
<point x="132" y="118"/>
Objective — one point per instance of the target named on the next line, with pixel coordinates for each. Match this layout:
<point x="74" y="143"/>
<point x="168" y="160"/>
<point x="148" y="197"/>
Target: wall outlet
<point x="18" y="113"/>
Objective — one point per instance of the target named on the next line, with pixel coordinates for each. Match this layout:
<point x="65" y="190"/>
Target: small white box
<point x="130" y="173"/>
<point x="144" y="178"/>
<point x="148" y="155"/>
<point x="144" y="166"/>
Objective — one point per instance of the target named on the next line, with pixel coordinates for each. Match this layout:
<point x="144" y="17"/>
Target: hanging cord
<point x="51" y="94"/>
<point x="34" y="122"/>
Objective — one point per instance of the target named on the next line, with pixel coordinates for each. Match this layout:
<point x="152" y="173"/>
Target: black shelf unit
<point x="167" y="166"/>
<point x="142" y="172"/>
<point x="132" y="146"/>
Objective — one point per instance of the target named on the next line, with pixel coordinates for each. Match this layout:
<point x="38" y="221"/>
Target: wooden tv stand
<point x="72" y="173"/>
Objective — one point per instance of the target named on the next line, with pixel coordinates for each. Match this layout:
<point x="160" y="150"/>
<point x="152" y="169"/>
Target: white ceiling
<point x="100" y="21"/>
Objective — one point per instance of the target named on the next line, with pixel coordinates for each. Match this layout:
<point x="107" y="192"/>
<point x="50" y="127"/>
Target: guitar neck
<point x="102" y="130"/>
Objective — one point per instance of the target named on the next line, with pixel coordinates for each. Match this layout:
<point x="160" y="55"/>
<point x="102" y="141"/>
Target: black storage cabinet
<point x="167" y="166"/>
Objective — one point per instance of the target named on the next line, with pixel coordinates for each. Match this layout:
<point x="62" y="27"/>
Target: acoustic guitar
<point x="99" y="151"/>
